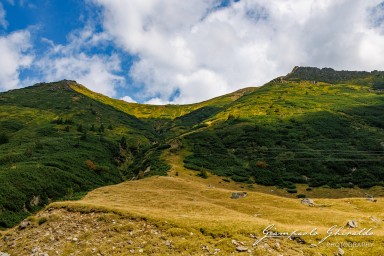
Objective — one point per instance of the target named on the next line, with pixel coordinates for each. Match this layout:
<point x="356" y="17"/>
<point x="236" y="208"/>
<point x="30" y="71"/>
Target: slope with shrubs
<point x="55" y="143"/>
<point x="317" y="127"/>
<point x="297" y="129"/>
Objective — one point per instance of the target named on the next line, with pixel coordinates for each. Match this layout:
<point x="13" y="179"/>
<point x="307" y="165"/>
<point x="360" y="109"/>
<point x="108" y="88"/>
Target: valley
<point x="84" y="174"/>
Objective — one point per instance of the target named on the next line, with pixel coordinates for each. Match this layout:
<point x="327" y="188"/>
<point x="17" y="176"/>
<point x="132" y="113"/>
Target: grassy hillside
<point x="188" y="215"/>
<point x="322" y="128"/>
<point x="300" y="131"/>
<point x="55" y="142"/>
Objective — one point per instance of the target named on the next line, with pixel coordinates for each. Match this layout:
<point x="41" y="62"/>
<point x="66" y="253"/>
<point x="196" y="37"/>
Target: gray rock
<point x="352" y="224"/>
<point x="371" y="199"/>
<point x="241" y="248"/>
<point x="4" y="254"/>
<point x="168" y="244"/>
<point x="237" y="195"/>
<point x="24" y="224"/>
<point x="340" y="252"/>
<point x="308" y="201"/>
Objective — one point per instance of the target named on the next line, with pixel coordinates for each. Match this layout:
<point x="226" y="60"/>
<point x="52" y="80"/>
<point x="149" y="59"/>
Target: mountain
<point x="314" y="126"/>
<point x="299" y="129"/>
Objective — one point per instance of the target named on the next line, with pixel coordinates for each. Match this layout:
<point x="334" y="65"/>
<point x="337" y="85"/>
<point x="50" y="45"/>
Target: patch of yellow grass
<point x="184" y="204"/>
<point x="194" y="203"/>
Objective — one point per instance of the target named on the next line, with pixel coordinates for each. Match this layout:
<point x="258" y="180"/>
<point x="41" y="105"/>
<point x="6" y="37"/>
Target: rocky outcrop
<point x="308" y="201"/>
<point x="237" y="195"/>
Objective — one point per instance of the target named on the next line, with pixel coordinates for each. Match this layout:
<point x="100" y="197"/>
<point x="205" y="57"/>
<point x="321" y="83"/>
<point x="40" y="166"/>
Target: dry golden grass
<point x="185" y="204"/>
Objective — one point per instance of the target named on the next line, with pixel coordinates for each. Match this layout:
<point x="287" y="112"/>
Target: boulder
<point x="352" y="224"/>
<point x="241" y="248"/>
<point x="237" y="195"/>
<point x="24" y="224"/>
<point x="308" y="201"/>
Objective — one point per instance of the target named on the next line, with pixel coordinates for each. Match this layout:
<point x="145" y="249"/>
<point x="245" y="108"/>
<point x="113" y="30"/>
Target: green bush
<point x="292" y="191"/>
<point x="203" y="174"/>
<point x="3" y="138"/>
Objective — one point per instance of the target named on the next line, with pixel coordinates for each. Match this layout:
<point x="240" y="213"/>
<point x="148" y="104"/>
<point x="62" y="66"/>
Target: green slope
<point x="55" y="142"/>
<point x="313" y="126"/>
<point x="293" y="130"/>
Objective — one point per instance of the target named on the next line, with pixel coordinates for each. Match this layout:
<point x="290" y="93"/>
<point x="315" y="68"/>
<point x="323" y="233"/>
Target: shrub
<point x="100" y="169"/>
<point x="301" y="196"/>
<point x="42" y="220"/>
<point x="83" y="136"/>
<point x="203" y="174"/>
<point x="3" y="138"/>
<point x="292" y="190"/>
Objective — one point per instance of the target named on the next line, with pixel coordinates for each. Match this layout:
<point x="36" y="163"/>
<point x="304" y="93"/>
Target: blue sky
<point x="171" y="51"/>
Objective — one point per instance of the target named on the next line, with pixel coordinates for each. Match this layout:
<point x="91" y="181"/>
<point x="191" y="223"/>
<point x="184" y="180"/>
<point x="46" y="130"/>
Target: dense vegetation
<point x="313" y="126"/>
<point x="55" y="142"/>
<point x="298" y="131"/>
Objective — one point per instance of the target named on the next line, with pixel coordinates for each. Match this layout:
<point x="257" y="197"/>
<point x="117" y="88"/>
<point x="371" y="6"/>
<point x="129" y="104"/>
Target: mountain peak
<point x="327" y="75"/>
<point x="59" y="85"/>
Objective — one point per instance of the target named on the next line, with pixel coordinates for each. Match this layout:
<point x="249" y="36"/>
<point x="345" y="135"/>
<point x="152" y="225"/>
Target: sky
<point x="179" y="52"/>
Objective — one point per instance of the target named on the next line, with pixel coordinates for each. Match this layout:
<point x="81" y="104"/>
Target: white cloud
<point x="14" y="52"/>
<point x="201" y="51"/>
<point x="128" y="99"/>
<point x="94" y="70"/>
<point x="3" y="21"/>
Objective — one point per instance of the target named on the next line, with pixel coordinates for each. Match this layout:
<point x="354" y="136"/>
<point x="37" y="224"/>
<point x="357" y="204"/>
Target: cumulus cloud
<point x="71" y="61"/>
<point x="3" y="21"/>
<point x="128" y="99"/>
<point x="190" y="50"/>
<point x="15" y="55"/>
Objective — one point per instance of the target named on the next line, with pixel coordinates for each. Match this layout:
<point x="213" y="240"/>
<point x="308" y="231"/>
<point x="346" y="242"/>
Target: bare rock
<point x="168" y="244"/>
<point x="234" y="242"/>
<point x="24" y="224"/>
<point x="237" y="195"/>
<point x="241" y="248"/>
<point x="308" y="201"/>
<point x="352" y="224"/>
<point x="340" y="252"/>
<point x="34" y="201"/>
